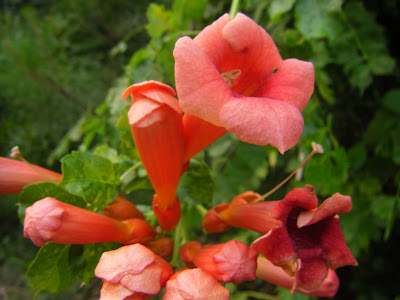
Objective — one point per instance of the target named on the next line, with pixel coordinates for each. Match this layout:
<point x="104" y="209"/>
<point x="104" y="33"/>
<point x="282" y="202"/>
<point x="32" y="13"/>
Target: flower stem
<point x="234" y="8"/>
<point x="316" y="149"/>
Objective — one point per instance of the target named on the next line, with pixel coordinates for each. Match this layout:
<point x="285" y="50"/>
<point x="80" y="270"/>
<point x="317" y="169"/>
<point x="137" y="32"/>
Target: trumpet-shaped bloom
<point x="194" y="284"/>
<point x="156" y="123"/>
<point x="225" y="76"/>
<point x="276" y="275"/>
<point x="242" y="212"/>
<point x="132" y="272"/>
<point x="232" y="261"/>
<point x="309" y="241"/>
<point x="15" y="175"/>
<point x="50" y="220"/>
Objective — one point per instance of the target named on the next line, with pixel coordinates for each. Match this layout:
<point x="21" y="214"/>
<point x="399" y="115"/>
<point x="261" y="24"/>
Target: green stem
<point x="201" y="210"/>
<point x="180" y="237"/>
<point x="234" y="8"/>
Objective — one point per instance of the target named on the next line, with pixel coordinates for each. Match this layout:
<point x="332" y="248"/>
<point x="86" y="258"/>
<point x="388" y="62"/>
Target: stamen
<point x="317" y="148"/>
<point x="229" y="77"/>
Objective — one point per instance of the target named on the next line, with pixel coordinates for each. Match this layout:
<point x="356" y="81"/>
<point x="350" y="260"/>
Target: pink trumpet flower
<point x="132" y="272"/>
<point x="309" y="241"/>
<point x="156" y="123"/>
<point x="15" y="175"/>
<point x="277" y="276"/>
<point x="194" y="284"/>
<point x="226" y="76"/>
<point x="50" y="220"/>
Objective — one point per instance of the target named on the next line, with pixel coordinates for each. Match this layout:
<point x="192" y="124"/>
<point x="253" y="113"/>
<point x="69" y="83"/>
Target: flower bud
<point x="122" y="209"/>
<point x="15" y="175"/>
<point x="50" y="220"/>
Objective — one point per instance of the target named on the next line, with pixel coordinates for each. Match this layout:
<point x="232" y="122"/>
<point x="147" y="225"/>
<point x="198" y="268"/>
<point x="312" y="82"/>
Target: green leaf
<point x="186" y="11"/>
<point x="369" y="38"/>
<point x="244" y="170"/>
<point x="89" y="257"/>
<point x="50" y="271"/>
<point x="279" y="7"/>
<point x="391" y="101"/>
<point x="328" y="172"/>
<point x="38" y="191"/>
<point x="159" y="20"/>
<point x="315" y="18"/>
<point x="135" y="178"/>
<point x="197" y="184"/>
<point x="90" y="176"/>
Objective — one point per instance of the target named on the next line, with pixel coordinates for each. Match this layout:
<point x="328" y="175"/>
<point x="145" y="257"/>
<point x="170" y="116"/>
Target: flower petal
<point x="293" y="82"/>
<point x="311" y="275"/>
<point x="263" y="121"/>
<point x="211" y="41"/>
<point x="298" y="197"/>
<point x="256" y="54"/>
<point x="329" y="208"/>
<point x="278" y="248"/>
<point x="200" y="87"/>
<point x="334" y="245"/>
<point x="115" y="264"/>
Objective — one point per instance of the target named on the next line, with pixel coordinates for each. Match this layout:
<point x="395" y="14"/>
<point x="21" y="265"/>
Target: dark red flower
<point x="310" y="241"/>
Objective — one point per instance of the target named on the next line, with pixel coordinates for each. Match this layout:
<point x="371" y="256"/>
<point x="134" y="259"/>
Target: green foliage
<point x="51" y="271"/>
<point x="68" y="58"/>
<point x="90" y="176"/>
<point x="196" y="185"/>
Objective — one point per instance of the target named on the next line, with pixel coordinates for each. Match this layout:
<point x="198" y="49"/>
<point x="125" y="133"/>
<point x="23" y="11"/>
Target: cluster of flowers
<point x="229" y="78"/>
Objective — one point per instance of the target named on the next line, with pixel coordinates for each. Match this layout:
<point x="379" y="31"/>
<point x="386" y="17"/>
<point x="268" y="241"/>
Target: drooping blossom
<point x="122" y="209"/>
<point x="156" y="123"/>
<point x="132" y="272"/>
<point x="277" y="276"/>
<point x="15" y="175"/>
<point x="309" y="241"/>
<point x="194" y="284"/>
<point x="50" y="220"/>
<point x="232" y="261"/>
<point x="225" y="76"/>
<point x="242" y="212"/>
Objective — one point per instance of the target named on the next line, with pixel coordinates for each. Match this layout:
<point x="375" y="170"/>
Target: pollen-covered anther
<point x="229" y="77"/>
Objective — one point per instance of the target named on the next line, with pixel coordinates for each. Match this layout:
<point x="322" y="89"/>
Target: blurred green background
<point x="65" y="63"/>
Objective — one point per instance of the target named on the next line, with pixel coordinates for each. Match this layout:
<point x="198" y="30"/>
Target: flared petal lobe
<point x="225" y="76"/>
<point x="156" y="123"/>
